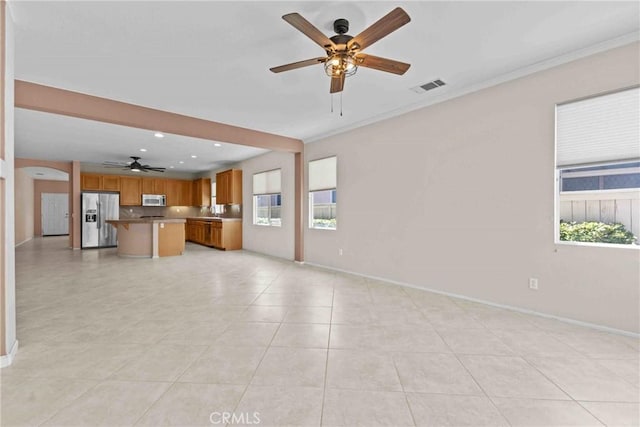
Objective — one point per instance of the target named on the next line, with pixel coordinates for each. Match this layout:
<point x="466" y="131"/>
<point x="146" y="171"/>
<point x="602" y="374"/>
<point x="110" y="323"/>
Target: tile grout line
<point x="246" y="388"/>
<point x="406" y="397"/>
<point x="475" y="380"/>
<point x="326" y="365"/>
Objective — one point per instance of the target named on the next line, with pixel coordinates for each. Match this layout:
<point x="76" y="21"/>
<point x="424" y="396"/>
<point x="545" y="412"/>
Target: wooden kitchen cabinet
<point x="202" y="192"/>
<point x="147" y="186"/>
<point x="111" y="182"/>
<point x="173" y="192"/>
<point x="186" y="197"/>
<point x="229" y="187"/>
<point x="96" y="182"/>
<point x="154" y="186"/>
<point x="225" y="235"/>
<point x="91" y="181"/>
<point x="159" y="186"/>
<point x="130" y="191"/>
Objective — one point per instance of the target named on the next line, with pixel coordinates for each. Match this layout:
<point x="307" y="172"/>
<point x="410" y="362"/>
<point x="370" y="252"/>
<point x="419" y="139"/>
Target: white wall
<point x="275" y="241"/>
<point x="459" y="197"/>
<point x="24" y="206"/>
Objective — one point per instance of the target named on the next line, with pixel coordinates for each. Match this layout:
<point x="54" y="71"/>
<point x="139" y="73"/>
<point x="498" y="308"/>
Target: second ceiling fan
<point x="344" y="52"/>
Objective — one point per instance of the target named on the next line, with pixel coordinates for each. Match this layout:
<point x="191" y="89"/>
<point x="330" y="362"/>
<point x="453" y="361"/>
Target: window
<point x="216" y="209"/>
<point x="598" y="168"/>
<point x="267" y="198"/>
<point x="322" y="193"/>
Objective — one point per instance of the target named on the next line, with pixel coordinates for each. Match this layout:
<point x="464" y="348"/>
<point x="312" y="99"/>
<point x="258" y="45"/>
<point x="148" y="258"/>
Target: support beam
<point x="299" y="208"/>
<point x="33" y="96"/>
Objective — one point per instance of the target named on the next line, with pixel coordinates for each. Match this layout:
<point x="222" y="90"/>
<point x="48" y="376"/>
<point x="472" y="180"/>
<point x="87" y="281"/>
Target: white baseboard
<point x="24" y="241"/>
<point x="489" y="303"/>
<point x="7" y="359"/>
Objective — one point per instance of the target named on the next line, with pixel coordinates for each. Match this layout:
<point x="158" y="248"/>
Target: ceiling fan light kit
<point x="344" y="52"/>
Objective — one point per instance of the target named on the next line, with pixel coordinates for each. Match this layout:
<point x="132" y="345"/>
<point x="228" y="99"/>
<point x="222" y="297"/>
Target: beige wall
<point x="276" y="241"/>
<point x="459" y="197"/>
<point x="24" y="207"/>
<point x="45" y="186"/>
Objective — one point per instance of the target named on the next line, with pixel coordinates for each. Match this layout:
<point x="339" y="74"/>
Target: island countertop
<point x="145" y="220"/>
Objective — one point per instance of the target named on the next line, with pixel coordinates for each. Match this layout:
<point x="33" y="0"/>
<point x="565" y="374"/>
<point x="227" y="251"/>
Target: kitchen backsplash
<point x="228" y="211"/>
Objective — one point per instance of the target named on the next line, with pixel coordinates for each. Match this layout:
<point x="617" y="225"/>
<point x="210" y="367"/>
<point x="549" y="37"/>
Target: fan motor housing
<point x="341" y="38"/>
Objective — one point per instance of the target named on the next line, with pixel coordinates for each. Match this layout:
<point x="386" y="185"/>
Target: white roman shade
<point x="269" y="182"/>
<point x="322" y="174"/>
<point x="600" y="129"/>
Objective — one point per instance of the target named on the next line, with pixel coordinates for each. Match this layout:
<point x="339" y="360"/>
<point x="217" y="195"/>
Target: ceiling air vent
<point x="428" y="86"/>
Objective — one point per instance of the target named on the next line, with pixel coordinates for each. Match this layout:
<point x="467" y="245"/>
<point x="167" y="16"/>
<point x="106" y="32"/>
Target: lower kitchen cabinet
<point x="225" y="235"/>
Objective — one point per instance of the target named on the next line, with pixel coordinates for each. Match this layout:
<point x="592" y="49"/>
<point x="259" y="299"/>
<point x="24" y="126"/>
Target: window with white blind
<point x="598" y="168"/>
<point x="322" y="193"/>
<point x="267" y="198"/>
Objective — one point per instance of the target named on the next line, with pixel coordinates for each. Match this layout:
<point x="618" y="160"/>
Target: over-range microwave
<point x="154" y="200"/>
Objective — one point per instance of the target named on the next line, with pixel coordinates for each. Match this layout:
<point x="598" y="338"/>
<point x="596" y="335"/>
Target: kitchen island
<point x="149" y="237"/>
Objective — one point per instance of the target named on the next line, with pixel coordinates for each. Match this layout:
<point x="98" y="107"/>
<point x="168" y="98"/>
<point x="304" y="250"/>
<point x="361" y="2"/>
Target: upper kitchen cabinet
<point x="202" y="192"/>
<point x="111" y="182"/>
<point x="186" y="193"/>
<point x="154" y="186"/>
<point x="229" y="187"/>
<point x="130" y="191"/>
<point x="95" y="182"/>
<point x="91" y="181"/>
<point x="173" y="191"/>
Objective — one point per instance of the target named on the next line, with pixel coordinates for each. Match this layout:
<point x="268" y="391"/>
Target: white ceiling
<point x="68" y="138"/>
<point x="211" y="60"/>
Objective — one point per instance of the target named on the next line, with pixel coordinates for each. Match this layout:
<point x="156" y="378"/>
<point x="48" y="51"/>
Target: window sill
<point x="596" y="245"/>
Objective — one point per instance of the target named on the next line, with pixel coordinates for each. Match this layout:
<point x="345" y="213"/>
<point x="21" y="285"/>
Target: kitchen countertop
<point x="146" y="220"/>
<point x="213" y="218"/>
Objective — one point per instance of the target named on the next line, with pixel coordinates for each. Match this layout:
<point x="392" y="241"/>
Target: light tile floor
<point x="191" y="340"/>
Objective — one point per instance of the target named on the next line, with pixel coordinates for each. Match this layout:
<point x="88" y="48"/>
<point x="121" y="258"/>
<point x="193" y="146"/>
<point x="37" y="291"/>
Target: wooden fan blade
<point x="298" y="64"/>
<point x="154" y="169"/>
<point x="309" y="30"/>
<point x="382" y="64"/>
<point x="379" y="29"/>
<point x="337" y="83"/>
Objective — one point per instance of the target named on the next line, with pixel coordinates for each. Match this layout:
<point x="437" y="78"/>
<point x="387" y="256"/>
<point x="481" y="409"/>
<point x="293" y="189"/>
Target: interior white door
<point x="55" y="214"/>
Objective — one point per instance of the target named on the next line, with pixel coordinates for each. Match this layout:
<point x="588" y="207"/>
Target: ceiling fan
<point x="344" y="52"/>
<point x="133" y="166"/>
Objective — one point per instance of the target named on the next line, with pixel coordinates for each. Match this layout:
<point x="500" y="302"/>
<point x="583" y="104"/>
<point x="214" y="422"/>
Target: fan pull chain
<point x="340" y="103"/>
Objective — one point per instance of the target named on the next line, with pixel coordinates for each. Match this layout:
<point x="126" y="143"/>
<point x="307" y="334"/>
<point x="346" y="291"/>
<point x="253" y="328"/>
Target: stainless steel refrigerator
<point x="96" y="209"/>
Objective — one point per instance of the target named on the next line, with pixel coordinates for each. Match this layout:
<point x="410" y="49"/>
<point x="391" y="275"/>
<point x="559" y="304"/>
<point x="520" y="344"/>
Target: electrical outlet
<point x="533" y="283"/>
<point x="340" y="251"/>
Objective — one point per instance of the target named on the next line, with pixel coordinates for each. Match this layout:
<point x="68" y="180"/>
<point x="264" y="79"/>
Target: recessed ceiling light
<point x="217" y="145"/>
<point x="171" y="167"/>
<point x="158" y="135"/>
<point x="143" y="149"/>
<point x="193" y="156"/>
<point x="181" y="162"/>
